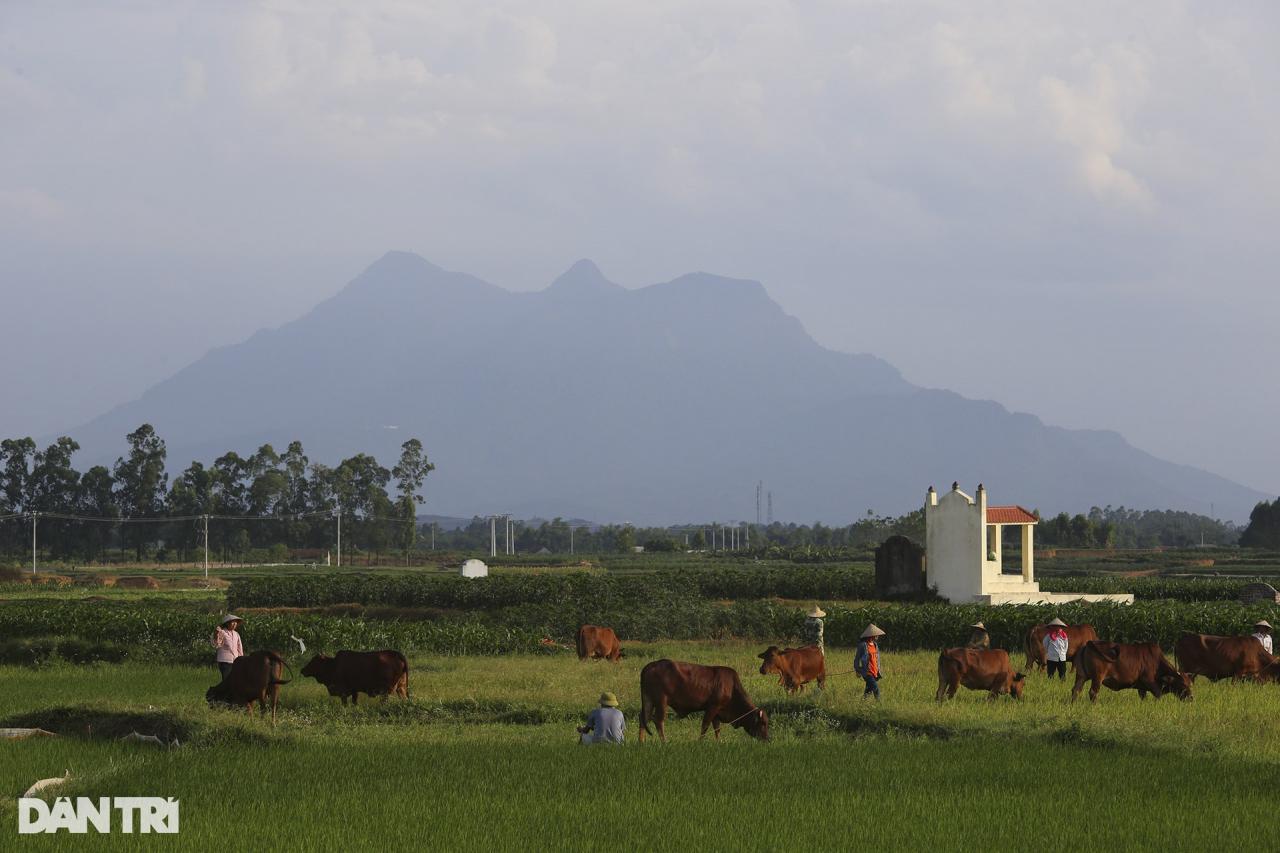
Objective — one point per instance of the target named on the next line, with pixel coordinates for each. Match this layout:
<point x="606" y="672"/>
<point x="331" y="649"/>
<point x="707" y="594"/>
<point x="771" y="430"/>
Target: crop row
<point x="180" y="633"/>
<point x="1152" y="588"/>
<point x="453" y="592"/>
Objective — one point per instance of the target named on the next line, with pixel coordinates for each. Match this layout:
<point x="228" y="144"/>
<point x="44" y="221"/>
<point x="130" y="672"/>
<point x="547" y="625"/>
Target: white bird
<point x="302" y="647"/>
<point x="47" y="783"/>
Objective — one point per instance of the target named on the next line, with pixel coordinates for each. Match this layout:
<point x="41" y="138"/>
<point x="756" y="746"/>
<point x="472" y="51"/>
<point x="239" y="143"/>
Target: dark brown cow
<point x="254" y="677"/>
<point x="597" y="642"/>
<point x="689" y="687"/>
<point x="1225" y="657"/>
<point x="1077" y="636"/>
<point x="795" y="667"/>
<point x="977" y="669"/>
<point x="1121" y="666"/>
<point x="351" y="673"/>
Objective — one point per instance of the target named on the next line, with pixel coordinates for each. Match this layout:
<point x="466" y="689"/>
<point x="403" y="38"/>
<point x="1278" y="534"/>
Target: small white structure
<point x="475" y="569"/>
<point x="963" y="557"/>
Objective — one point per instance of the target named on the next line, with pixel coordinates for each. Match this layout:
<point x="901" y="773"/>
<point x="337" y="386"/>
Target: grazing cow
<point x="690" y="687"/>
<point x="351" y="673"/>
<point x="977" y="669"/>
<point x="1225" y="657"/>
<point x="1077" y="636"/>
<point x="1121" y="666"/>
<point x="597" y="642"/>
<point x="254" y="677"/>
<point x="795" y="667"/>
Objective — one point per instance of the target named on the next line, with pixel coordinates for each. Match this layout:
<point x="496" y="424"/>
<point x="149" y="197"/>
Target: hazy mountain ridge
<point x="660" y="403"/>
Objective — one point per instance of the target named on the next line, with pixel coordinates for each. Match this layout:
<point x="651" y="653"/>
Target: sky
<point x="1067" y="208"/>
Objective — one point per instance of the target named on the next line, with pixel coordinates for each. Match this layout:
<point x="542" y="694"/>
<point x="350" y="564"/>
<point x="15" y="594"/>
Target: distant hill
<point x="657" y="404"/>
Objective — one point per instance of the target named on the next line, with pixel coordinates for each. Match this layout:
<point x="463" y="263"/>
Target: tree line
<point x="1119" y="527"/>
<point x="299" y="498"/>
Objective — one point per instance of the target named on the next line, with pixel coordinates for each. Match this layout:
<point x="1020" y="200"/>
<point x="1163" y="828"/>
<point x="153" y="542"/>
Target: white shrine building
<point x="963" y="558"/>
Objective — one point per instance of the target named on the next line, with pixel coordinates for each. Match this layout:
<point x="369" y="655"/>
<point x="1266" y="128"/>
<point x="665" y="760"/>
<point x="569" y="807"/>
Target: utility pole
<point x="34" y="515"/>
<point x="493" y="536"/>
<point x="206" y="547"/>
<point x="770" y="516"/>
<point x="339" y="535"/>
<point x="433" y="536"/>
<point x="570" y="540"/>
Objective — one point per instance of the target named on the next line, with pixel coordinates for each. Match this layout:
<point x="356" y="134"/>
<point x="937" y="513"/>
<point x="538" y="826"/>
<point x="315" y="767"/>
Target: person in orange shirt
<point x="866" y="661"/>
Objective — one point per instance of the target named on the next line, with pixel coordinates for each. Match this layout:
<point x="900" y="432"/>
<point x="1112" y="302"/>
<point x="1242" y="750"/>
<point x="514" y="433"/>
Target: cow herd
<point x="1116" y="666"/>
<point x="717" y="691"/>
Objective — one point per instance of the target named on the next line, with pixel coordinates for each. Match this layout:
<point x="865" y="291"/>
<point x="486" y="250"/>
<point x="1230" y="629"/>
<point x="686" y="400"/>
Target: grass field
<point x="483" y="757"/>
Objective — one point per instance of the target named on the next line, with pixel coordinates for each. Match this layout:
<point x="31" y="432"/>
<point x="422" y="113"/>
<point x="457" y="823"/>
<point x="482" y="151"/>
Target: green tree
<point x="141" y="482"/>
<point x="410" y="473"/>
<point x="1264" y="526"/>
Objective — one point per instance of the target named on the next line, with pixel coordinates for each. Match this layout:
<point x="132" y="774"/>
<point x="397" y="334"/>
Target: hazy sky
<point x="1068" y="208"/>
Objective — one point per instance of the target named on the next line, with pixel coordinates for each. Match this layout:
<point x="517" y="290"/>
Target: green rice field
<point x="483" y="756"/>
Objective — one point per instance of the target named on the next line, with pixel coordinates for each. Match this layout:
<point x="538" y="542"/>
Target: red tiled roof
<point x="1009" y="515"/>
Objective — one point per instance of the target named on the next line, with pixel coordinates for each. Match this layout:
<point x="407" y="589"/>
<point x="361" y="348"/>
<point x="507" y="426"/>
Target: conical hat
<point x="872" y="631"/>
<point x="816" y="613"/>
<point x="1058" y="622"/>
<point x="1262" y="623"/>
<point x="979" y="626"/>
<point x="230" y="617"/>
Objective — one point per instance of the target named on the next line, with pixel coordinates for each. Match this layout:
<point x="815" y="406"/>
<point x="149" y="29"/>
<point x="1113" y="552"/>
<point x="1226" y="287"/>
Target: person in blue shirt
<point x="606" y="723"/>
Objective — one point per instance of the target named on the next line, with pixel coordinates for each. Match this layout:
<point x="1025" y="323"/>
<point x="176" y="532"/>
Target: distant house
<point x="963" y="553"/>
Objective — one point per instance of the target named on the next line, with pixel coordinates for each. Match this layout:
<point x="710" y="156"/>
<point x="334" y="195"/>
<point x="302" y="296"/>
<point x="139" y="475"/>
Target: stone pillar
<point x="1028" y="554"/>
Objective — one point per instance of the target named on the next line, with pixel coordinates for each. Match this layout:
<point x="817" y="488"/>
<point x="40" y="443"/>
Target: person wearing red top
<point x="866" y="662"/>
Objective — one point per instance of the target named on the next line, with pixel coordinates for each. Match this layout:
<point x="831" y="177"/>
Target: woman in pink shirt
<point x="226" y="639"/>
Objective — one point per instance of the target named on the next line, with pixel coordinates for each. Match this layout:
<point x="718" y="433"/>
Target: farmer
<point x="606" y="723"/>
<point x="1262" y="633"/>
<point x="979" y="639"/>
<point x="1055" y="648"/>
<point x="226" y="639"/>
<point x="866" y="661"/>
<point x="811" y="631"/>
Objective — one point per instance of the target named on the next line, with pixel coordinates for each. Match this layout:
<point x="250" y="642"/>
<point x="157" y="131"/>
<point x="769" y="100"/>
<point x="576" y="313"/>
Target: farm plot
<point x="482" y="756"/>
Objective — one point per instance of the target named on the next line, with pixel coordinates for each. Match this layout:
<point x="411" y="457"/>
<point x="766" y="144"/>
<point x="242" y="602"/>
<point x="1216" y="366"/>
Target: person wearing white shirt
<point x="1056" y="648"/>
<point x="1262" y="633"/>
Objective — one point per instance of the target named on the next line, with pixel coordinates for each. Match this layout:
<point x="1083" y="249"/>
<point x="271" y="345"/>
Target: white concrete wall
<point x="954" y="539"/>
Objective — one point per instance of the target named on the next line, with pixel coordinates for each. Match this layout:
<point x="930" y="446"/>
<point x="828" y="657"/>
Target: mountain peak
<point x="584" y="276"/>
<point x="397" y="263"/>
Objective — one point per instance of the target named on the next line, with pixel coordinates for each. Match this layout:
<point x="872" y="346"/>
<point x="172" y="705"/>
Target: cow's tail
<point x="646" y="711"/>
<point x="405" y="663"/>
<point x="276" y="658"/>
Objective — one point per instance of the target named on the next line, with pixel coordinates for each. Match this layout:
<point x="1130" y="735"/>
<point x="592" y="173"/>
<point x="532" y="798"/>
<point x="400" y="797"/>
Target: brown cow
<point x="597" y="642"/>
<point x="1121" y="666"/>
<point x="1077" y="636"/>
<point x="977" y="669"/>
<point x="1225" y="657"/>
<point x="689" y="687"/>
<point x="254" y="677"/>
<point x="795" y="667"/>
<point x="351" y="673"/>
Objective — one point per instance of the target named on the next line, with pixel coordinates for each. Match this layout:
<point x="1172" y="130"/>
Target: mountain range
<point x="651" y="405"/>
